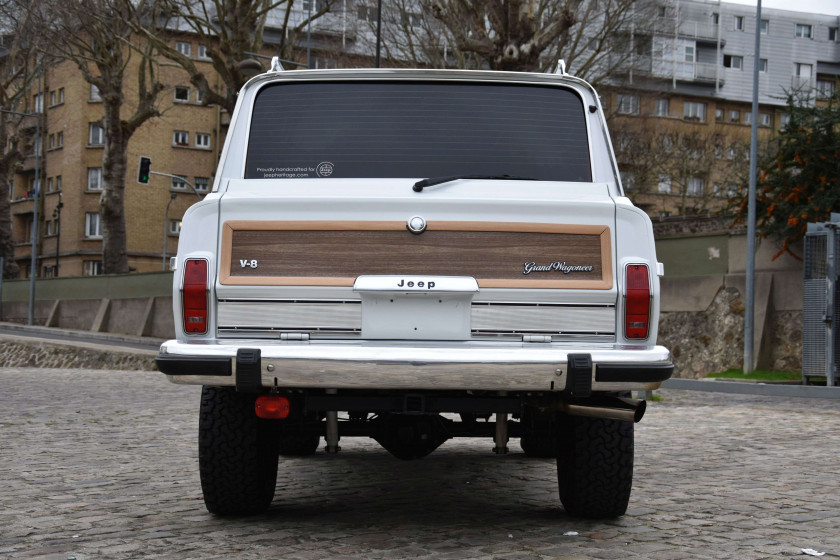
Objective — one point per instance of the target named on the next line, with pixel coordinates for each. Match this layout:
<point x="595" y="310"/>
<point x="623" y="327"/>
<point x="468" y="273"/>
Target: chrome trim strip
<point x="457" y="365"/>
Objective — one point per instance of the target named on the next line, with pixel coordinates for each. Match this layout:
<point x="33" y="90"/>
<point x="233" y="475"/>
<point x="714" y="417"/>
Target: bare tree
<point x="531" y="35"/>
<point x="97" y="37"/>
<point x="230" y="30"/>
<point x="676" y="168"/>
<point x="18" y="72"/>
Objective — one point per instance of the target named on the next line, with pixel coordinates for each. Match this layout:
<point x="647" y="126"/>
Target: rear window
<point x="417" y="130"/>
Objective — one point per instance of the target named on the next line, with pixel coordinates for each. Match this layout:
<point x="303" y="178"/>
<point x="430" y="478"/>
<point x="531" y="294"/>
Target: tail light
<point x="272" y="407"/>
<point x="195" y="296"/>
<point x="637" y="301"/>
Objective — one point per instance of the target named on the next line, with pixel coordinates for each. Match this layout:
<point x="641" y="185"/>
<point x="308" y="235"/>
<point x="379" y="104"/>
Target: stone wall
<point x="712" y="340"/>
<point x="16" y="353"/>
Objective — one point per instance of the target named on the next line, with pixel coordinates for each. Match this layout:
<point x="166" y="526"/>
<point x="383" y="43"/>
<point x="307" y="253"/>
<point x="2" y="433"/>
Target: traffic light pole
<point x="180" y="178"/>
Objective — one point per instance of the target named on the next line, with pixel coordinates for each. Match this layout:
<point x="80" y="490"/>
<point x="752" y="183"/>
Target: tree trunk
<point x="112" y="203"/>
<point x="7" y="246"/>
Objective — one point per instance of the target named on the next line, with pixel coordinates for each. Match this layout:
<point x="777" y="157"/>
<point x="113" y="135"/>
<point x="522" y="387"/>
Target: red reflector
<point x="272" y="407"/>
<point x="637" y="302"/>
<point x="195" y="297"/>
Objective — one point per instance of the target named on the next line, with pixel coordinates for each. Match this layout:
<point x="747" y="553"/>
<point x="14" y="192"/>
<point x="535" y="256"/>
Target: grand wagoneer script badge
<point x="558" y="266"/>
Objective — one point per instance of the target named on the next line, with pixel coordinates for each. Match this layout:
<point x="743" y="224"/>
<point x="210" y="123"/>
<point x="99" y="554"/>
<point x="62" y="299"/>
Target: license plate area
<point x="416" y="307"/>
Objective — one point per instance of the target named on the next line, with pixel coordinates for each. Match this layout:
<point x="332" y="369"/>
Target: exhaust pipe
<point x="612" y="408"/>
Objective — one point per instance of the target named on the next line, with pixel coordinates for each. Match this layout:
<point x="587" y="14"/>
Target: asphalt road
<point x="104" y="465"/>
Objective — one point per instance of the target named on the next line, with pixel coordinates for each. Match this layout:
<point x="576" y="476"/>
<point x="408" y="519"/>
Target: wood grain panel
<point x="327" y="253"/>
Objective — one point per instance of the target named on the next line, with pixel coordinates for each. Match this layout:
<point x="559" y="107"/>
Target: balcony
<point x="664" y="68"/>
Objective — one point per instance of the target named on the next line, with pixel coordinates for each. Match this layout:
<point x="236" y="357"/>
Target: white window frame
<point x="804" y="30"/>
<point x="734" y="116"/>
<point x="181" y="138"/>
<point x="664" y="185"/>
<point x="764" y="119"/>
<point x="202" y="184"/>
<point x="38" y="103"/>
<point x="694" y="109"/>
<point x="763" y="64"/>
<point x="181" y="94"/>
<point x="663" y="107"/>
<point x="739" y="23"/>
<point x="96" y="134"/>
<point x="91" y="268"/>
<point x="202" y="52"/>
<point x="94" y="94"/>
<point x="764" y="27"/>
<point x="183" y="47"/>
<point x="93" y="225"/>
<point x="202" y="140"/>
<point x="94" y="180"/>
<point x="825" y="88"/>
<point x="696" y="186"/>
<point x="628" y="104"/>
<point x="736" y="61"/>
<point x="179" y="184"/>
<point x="175" y="227"/>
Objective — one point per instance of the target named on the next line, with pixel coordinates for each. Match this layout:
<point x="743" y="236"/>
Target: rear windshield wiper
<point x="432" y="181"/>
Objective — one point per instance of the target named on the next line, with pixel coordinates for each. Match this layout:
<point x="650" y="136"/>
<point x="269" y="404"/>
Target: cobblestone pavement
<point x="103" y="465"/>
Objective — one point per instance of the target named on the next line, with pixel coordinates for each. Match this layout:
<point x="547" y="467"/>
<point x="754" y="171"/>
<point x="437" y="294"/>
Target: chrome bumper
<point x="422" y="365"/>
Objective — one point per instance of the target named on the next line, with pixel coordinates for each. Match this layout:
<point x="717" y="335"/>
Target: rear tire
<point x="595" y="466"/>
<point x="237" y="454"/>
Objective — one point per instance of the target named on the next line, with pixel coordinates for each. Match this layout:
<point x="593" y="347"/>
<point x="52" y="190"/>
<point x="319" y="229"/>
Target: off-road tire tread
<point x="237" y="454"/>
<point x="595" y="466"/>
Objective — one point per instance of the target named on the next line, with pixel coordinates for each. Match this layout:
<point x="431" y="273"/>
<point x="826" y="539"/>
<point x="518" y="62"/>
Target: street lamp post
<point x="166" y="230"/>
<point x="57" y="217"/>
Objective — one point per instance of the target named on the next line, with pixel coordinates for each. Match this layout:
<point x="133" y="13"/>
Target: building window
<point x="51" y="141"/>
<point x="739" y="23"/>
<point x="202" y="51"/>
<point x="314" y="5"/>
<point x="663" y="107"/>
<point x="765" y="26"/>
<point x="93" y="226"/>
<point x="60" y="95"/>
<point x="825" y="88"/>
<point x="198" y="97"/>
<point x="628" y="104"/>
<point x="715" y="18"/>
<point x="53" y="97"/>
<point x="628" y="180"/>
<point x="803" y="30"/>
<point x="179" y="184"/>
<point x="52" y="227"/>
<point x="59" y="139"/>
<point x="202" y="140"/>
<point x="696" y="186"/>
<point x="832" y="34"/>
<point x="96" y="135"/>
<point x="38" y="103"/>
<point x="202" y="184"/>
<point x="694" y="111"/>
<point x="92" y="268"/>
<point x="664" y="186"/>
<point x="94" y="182"/>
<point x="182" y="94"/>
<point x="50" y="185"/>
<point x="181" y="138"/>
<point x="366" y="13"/>
<point x="734" y="116"/>
<point x="784" y="121"/>
<point x="718" y="114"/>
<point x="732" y="153"/>
<point x="94" y="93"/>
<point x="174" y="227"/>
<point x="320" y="62"/>
<point x="37" y="146"/>
<point x="747" y="117"/>
<point x="764" y="119"/>
<point x="182" y="47"/>
<point x="733" y="61"/>
<point x="689" y="53"/>
<point x="58" y="182"/>
<point x="762" y="65"/>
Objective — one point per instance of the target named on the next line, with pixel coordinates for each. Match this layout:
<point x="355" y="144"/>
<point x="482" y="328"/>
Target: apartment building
<point x="184" y="141"/>
<point x="689" y="82"/>
<point x="679" y="110"/>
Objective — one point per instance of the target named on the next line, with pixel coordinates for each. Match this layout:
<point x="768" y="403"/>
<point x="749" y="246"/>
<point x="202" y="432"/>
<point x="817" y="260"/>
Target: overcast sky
<point x="831" y="7"/>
